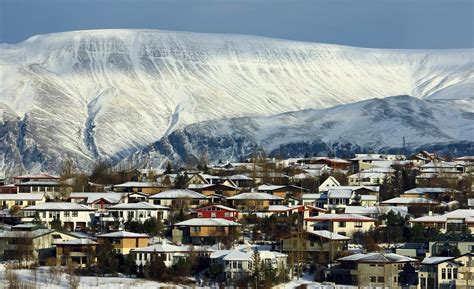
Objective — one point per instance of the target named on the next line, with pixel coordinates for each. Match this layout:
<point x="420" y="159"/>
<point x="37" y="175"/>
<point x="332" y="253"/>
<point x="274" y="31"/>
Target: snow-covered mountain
<point x="391" y="124"/>
<point x="107" y="93"/>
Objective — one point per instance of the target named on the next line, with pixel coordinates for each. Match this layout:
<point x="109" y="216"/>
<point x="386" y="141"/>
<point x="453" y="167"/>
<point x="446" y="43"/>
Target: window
<point x="74" y="213"/>
<point x="450" y="273"/>
<point x="213" y="215"/>
<point x="372" y="279"/>
<point x="149" y="213"/>
<point x="342" y="224"/>
<point x="380" y="279"/>
<point x="358" y="224"/>
<point x="195" y="229"/>
<point x="66" y="214"/>
<point x="455" y="273"/>
<point x="44" y="214"/>
<point x="443" y="273"/>
<point x="200" y="215"/>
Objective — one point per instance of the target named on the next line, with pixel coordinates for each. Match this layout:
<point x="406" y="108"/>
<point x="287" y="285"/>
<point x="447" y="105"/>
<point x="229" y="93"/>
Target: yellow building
<point x="254" y="201"/>
<point x="205" y="231"/>
<point x="124" y="241"/>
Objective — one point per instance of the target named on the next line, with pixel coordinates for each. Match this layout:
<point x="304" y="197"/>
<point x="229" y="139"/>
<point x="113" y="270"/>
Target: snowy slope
<point x="106" y="93"/>
<point x="378" y="125"/>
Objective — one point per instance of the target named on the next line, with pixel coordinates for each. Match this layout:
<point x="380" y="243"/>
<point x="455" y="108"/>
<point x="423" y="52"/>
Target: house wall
<point x="385" y="275"/>
<point x="8" y="204"/>
<point x="72" y="218"/>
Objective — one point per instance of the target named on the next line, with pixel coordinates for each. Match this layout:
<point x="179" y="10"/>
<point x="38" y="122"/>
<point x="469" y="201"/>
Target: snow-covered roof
<point x="123" y="234"/>
<point x="245" y="254"/>
<point x="22" y="196"/>
<point x="240" y="178"/>
<point x="254" y="196"/>
<point x="374" y="210"/>
<point x="37" y="176"/>
<point x="336" y="193"/>
<point x="58" y="206"/>
<point x="137" y="206"/>
<point x="340" y="218"/>
<point x="278" y="208"/>
<point x="368" y="197"/>
<point x="91" y="197"/>
<point x="409" y="201"/>
<point x="377" y="258"/>
<point x="136" y="185"/>
<point x="218" y="206"/>
<point x="170" y="248"/>
<point x="329" y="235"/>
<point x="421" y="191"/>
<point x="82" y="241"/>
<point x="322" y="196"/>
<point x="267" y="187"/>
<point x="178" y="194"/>
<point x="435" y="260"/>
<point x="207" y="222"/>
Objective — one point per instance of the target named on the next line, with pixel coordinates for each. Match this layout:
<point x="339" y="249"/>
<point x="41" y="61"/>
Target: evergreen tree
<point x="107" y="258"/>
<point x="37" y="219"/>
<point x="130" y="266"/>
<point x="56" y="224"/>
<point x="256" y="268"/>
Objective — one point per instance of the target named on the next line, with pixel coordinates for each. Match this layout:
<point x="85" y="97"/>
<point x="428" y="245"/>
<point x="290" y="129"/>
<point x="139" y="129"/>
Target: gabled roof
<point x="410" y="201"/>
<point x="336" y="193"/>
<point x="38" y="176"/>
<point x="58" y="206"/>
<point x="170" y="248"/>
<point x="178" y="194"/>
<point x="421" y="191"/>
<point x="137" y="206"/>
<point x="340" y="218"/>
<point x="240" y="178"/>
<point x="329" y="235"/>
<point x="92" y="197"/>
<point x="123" y="234"/>
<point x="82" y="241"/>
<point x="22" y="196"/>
<point x="136" y="185"/>
<point x="207" y="222"/>
<point x="436" y="260"/>
<point x="377" y="258"/>
<point x="254" y="196"/>
<point x="322" y="196"/>
<point x="225" y="208"/>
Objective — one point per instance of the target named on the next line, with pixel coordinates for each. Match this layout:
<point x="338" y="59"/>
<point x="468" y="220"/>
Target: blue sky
<point x="366" y="23"/>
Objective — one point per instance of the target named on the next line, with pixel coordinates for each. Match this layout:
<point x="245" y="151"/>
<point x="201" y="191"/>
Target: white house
<point x="237" y="263"/>
<point x="170" y="253"/>
<point x="71" y="215"/>
<point x="328" y="183"/>
<point x="138" y="212"/>
<point x="173" y="197"/>
<point x="7" y="201"/>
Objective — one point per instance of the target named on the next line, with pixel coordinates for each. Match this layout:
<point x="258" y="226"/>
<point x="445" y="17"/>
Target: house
<point x="438" y="272"/>
<point x="432" y="172"/>
<point x="328" y="183"/>
<point x="423" y="157"/>
<point x="225" y="190"/>
<point x="370" y="177"/>
<point x="318" y="200"/>
<point x="376" y="211"/>
<point x="179" y="197"/>
<point x="71" y="215"/>
<point x="320" y="246"/>
<point x="138" y="187"/>
<point x="242" y="181"/>
<point x="343" y="224"/>
<point x="21" y="200"/>
<point x="454" y="221"/>
<point x="124" y="241"/>
<point x="218" y="211"/>
<point x="138" y="212"/>
<point x="465" y="271"/>
<point x="254" y="201"/>
<point x="236" y="263"/>
<point x="333" y="163"/>
<point x="27" y="242"/>
<point x="281" y="191"/>
<point x="205" y="231"/>
<point x="77" y="251"/>
<point x="100" y="201"/>
<point x="375" y="270"/>
<point x="467" y="162"/>
<point x="37" y="183"/>
<point x="170" y="254"/>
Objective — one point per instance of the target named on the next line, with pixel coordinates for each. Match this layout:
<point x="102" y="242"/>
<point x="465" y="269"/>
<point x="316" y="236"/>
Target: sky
<point x="364" y="23"/>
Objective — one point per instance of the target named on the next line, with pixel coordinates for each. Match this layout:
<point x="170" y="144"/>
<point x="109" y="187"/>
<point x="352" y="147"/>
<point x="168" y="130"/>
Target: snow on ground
<point x="44" y="281"/>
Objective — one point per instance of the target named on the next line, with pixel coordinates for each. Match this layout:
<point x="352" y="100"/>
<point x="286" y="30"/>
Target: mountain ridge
<point x="106" y="94"/>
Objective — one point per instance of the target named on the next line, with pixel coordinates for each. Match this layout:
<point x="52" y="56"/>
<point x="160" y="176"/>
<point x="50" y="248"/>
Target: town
<point x="370" y="221"/>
